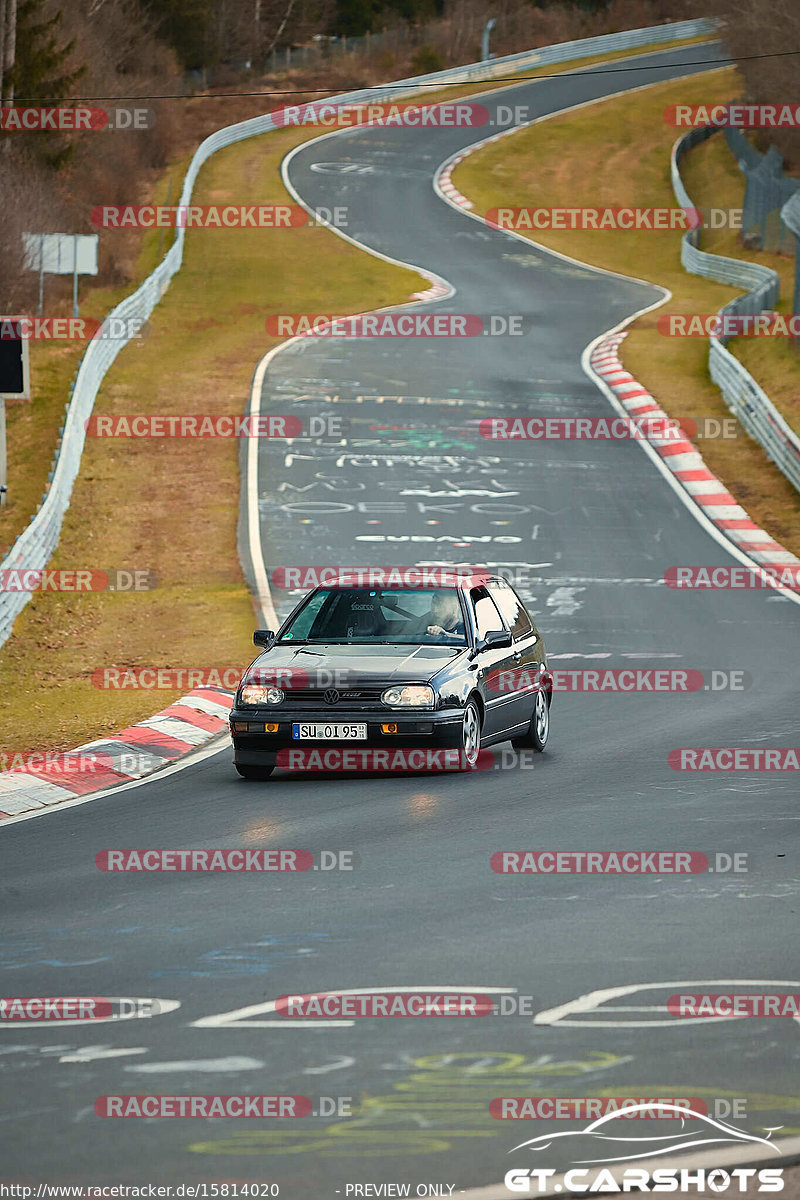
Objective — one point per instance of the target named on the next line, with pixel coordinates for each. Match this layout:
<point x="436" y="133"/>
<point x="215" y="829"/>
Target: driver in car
<point x="444" y="617"/>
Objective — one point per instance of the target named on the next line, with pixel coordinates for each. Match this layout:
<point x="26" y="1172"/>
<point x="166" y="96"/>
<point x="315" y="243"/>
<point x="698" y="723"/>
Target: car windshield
<point x="371" y="616"/>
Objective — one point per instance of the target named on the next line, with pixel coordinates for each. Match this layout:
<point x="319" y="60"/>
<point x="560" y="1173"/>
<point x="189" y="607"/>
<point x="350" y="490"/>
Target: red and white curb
<point x="448" y="188"/>
<point x="437" y="291"/>
<point x="177" y="730"/>
<point x="686" y="463"/>
<point x="444" y="176"/>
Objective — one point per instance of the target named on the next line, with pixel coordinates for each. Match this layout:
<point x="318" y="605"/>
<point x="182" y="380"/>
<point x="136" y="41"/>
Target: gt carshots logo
<point x="535" y="1179"/>
<point x="627" y="1146"/>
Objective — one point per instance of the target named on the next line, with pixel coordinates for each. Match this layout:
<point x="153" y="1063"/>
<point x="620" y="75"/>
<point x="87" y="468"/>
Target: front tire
<point x="539" y="728"/>
<point x="254" y="773"/>
<point x="470" y="735"/>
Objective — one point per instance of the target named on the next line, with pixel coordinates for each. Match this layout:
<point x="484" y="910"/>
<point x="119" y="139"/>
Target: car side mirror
<point x="263" y="637"/>
<point x="496" y="639"/>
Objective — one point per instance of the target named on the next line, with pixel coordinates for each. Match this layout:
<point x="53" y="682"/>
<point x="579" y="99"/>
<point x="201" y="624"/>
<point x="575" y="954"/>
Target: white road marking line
<point x="236" y="1017"/>
<point x="591" y="1002"/>
<point x="232" y="1063"/>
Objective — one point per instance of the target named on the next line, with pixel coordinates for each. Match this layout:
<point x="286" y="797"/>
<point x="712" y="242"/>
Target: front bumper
<point x="437" y="729"/>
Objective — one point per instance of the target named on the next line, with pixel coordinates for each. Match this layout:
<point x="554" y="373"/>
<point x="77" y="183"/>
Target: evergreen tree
<point x="41" y="73"/>
<point x="188" y="27"/>
<point x="40" y="70"/>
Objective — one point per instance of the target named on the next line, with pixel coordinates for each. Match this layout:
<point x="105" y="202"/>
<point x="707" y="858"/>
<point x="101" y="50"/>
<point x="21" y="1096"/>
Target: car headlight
<point x="254" y="693"/>
<point x="413" y="695"/>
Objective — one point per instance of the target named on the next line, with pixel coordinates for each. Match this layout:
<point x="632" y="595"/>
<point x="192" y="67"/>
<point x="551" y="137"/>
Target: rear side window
<point x="487" y="616"/>
<point x="512" y="609"/>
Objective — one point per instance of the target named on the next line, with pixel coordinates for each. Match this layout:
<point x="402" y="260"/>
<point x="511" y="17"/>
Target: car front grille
<point x="349" y="698"/>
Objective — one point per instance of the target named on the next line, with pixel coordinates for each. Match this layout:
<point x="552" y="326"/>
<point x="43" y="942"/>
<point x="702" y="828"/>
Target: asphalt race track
<point x="591" y="527"/>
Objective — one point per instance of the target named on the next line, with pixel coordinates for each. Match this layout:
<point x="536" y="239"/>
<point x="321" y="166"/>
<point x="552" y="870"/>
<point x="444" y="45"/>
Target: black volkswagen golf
<point x="386" y="677"/>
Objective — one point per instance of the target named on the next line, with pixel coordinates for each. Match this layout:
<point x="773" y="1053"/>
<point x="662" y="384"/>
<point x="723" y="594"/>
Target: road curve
<point x="595" y="527"/>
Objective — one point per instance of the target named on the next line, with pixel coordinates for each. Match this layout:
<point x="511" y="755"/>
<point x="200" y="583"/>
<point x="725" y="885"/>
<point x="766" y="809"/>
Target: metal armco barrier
<point x="746" y="400"/>
<point x="766" y="191"/>
<point x="39" y="539"/>
<point x="790" y="215"/>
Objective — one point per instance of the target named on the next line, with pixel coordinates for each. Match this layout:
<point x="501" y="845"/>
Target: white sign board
<point x="61" y="253"/>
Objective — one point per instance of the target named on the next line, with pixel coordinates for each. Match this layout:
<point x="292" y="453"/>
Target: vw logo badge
<point x="331" y="696"/>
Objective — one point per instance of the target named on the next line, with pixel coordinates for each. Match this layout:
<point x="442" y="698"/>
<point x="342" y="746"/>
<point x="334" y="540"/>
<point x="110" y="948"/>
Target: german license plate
<point x="329" y="733"/>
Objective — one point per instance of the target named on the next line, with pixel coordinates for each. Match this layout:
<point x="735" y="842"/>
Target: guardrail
<point x="790" y="215"/>
<point x="766" y="191"/>
<point x="744" y="397"/>
<point x="35" y="545"/>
